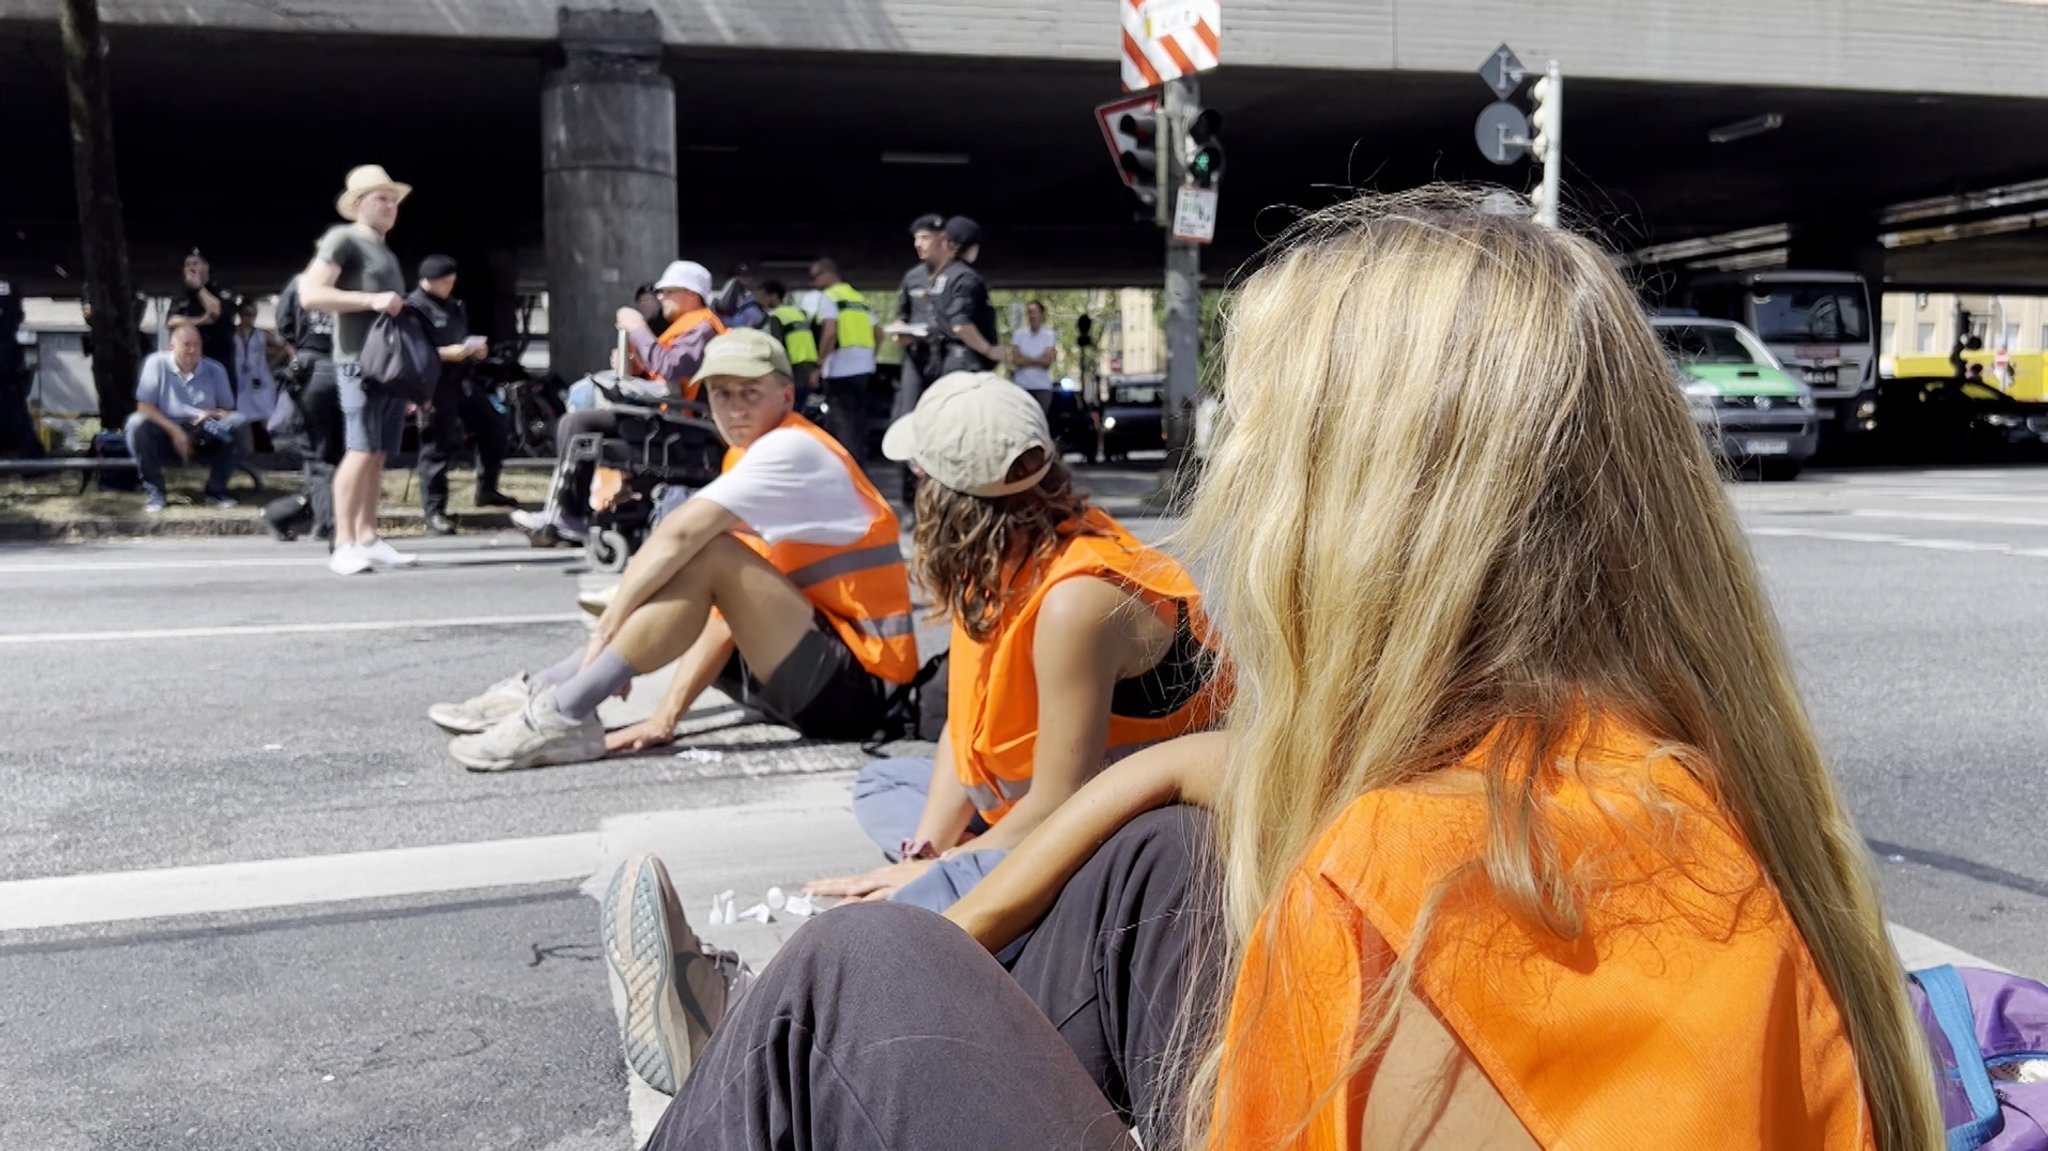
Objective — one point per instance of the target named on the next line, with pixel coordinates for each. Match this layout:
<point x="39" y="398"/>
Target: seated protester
<point x="1073" y="644"/>
<point x="670" y="359"/>
<point x="184" y="406"/>
<point x="790" y="557"/>
<point x="1522" y="834"/>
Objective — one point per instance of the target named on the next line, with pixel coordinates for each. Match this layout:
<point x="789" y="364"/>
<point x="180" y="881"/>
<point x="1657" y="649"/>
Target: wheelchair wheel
<point x="608" y="550"/>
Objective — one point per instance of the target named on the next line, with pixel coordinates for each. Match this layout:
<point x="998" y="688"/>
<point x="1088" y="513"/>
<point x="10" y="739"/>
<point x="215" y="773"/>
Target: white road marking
<point x="427" y="559"/>
<point x="1898" y="541"/>
<point x="336" y="626"/>
<point x="1951" y="518"/>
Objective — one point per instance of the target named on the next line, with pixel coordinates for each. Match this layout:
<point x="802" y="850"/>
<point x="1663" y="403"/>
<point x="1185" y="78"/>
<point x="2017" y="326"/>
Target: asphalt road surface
<point x="246" y="901"/>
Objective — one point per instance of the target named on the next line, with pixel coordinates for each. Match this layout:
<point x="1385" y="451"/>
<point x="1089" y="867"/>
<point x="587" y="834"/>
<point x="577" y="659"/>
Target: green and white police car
<point x="1750" y="409"/>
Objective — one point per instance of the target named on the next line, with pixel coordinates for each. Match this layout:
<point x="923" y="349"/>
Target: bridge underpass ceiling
<point x="237" y="143"/>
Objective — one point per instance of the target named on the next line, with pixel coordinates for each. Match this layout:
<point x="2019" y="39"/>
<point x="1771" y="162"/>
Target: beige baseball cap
<point x="748" y="353"/>
<point x="968" y="429"/>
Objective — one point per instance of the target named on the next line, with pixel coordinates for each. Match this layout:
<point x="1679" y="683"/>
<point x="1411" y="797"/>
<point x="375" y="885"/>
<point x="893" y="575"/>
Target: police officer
<point x="788" y="323"/>
<point x="458" y="402"/>
<point x="962" y="301"/>
<point x="914" y="308"/>
<point x="316" y="422"/>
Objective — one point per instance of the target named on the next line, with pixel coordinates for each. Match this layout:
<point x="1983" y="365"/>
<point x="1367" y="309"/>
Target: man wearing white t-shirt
<point x="790" y="560"/>
<point x="1033" y="348"/>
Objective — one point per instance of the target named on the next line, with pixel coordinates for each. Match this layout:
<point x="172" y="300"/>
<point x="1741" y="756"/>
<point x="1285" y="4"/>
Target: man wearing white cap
<point x="671" y="358"/>
<point x="355" y="278"/>
<point x="793" y="547"/>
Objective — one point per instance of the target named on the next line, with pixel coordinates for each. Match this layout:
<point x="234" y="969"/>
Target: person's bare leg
<point x="765" y="612"/>
<point x="348" y="487"/>
<point x="368" y="496"/>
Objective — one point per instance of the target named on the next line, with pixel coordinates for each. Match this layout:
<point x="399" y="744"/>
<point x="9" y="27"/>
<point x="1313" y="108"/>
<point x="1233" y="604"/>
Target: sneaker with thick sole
<point x="350" y="560"/>
<point x="536" y="735"/>
<point x="676" y="989"/>
<point x="384" y="555"/>
<point x="599" y="601"/>
<point x="480" y="711"/>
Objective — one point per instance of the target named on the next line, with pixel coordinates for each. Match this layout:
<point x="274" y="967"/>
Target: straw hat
<point x="364" y="180"/>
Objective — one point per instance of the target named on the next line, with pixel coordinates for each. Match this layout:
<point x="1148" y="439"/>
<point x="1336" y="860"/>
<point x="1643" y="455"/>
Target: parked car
<point x="1751" y="411"/>
<point x="1944" y="418"/>
<point x="1134" y="416"/>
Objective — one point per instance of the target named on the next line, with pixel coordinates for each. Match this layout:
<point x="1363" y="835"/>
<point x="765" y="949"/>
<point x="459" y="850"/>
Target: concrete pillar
<point x="608" y="157"/>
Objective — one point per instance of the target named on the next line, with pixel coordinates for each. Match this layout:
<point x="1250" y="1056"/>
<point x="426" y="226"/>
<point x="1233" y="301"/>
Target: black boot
<point x="439" y="524"/>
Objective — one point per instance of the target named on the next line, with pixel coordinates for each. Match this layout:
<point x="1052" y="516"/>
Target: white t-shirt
<point x="788" y="486"/>
<point x="1030" y="343"/>
<point x="843" y="361"/>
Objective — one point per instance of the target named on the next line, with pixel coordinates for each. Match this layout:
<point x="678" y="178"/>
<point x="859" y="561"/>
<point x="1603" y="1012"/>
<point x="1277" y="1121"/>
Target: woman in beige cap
<point x="356" y="278"/>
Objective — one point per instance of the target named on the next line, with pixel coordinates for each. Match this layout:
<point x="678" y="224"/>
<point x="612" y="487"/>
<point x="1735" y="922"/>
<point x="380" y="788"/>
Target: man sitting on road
<point x="793" y="547"/>
<point x="670" y="359"/>
<point x="184" y="404"/>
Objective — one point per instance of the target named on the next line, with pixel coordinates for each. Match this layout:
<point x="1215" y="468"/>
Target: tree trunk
<point x="110" y="292"/>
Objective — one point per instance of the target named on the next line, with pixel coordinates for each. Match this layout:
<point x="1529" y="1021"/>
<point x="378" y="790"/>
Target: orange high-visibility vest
<point x="1688" y="1012"/>
<point x="862" y="587"/>
<point x="992" y="685"/>
<point x="681" y="326"/>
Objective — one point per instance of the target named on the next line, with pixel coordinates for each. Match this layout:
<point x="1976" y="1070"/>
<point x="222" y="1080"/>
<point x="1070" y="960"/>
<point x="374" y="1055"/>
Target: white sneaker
<point x="531" y="521"/>
<point x="599" y="601"/>
<point x="349" y="559"/>
<point x="537" y="735"/>
<point x="479" y="712"/>
<point x="384" y="555"/>
<point x="677" y="990"/>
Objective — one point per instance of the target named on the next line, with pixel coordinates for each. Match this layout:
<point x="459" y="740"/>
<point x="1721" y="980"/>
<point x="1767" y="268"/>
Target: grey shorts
<point x="371" y="421"/>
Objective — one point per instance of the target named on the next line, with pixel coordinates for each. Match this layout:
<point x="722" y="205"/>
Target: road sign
<point x="1502" y="132"/>
<point x="1503" y="72"/>
<point x="1194" y="215"/>
<point x="1110" y="118"/>
<point x="1168" y="39"/>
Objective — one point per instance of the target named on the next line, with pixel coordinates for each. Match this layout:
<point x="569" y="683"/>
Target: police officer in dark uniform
<point x="960" y="296"/>
<point x="317" y="433"/>
<point x="458" y="402"/>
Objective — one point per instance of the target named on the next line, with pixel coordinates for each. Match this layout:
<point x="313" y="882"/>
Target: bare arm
<point x="828" y="339"/>
<point x="454" y="353"/>
<point x="947" y="810"/>
<point x="971" y="336"/>
<point x="317" y="292"/>
<point x="1022" y="888"/>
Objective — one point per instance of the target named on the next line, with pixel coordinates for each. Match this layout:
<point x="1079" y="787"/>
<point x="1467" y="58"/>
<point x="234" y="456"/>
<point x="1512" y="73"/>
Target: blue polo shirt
<point x="184" y="398"/>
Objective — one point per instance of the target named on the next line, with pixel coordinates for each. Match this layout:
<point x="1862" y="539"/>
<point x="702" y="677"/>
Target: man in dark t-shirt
<point x="210" y="308"/>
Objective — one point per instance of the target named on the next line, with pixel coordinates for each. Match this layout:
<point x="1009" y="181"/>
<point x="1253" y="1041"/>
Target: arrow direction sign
<point x="1503" y="72"/>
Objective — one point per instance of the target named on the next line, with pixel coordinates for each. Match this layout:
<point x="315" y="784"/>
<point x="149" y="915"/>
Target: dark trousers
<point x="883" y="1026"/>
<point x="17" y="427"/>
<point x="458" y="406"/>
<point x="321" y="421"/>
<point x="909" y="386"/>
<point x="151" y="446"/>
<point x="846" y="416"/>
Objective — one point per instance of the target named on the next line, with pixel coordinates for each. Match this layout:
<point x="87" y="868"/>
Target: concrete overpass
<point x="236" y="118"/>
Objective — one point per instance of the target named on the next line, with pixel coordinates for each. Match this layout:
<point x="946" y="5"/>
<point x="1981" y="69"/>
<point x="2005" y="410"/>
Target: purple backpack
<point x="1984" y="1026"/>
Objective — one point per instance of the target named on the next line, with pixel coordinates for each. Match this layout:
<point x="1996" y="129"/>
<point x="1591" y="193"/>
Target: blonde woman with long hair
<point x="1522" y="835"/>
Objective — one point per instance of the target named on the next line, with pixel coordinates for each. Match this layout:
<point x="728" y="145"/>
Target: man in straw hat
<point x="355" y="277"/>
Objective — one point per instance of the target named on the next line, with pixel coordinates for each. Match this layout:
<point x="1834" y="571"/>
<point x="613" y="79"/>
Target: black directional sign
<point x="1503" y="72"/>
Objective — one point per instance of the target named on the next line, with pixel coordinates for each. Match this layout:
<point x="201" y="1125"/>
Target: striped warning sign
<point x="1167" y="39"/>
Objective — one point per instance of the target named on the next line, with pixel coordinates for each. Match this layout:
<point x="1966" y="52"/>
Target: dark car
<point x="1943" y="418"/>
<point x="1134" y="416"/>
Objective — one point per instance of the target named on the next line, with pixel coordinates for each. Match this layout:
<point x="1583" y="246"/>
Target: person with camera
<point x="459" y="403"/>
<point x="211" y="309"/>
<point x="315" y="420"/>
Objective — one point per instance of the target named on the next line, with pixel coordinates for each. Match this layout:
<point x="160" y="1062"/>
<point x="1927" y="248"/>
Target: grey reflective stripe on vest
<point x="847" y="563"/>
<point x="999" y="794"/>
<point x="887" y="627"/>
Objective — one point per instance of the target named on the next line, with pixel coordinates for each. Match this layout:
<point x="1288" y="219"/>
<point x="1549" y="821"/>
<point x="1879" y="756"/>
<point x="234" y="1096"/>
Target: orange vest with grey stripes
<point x="992" y="685"/>
<point x="862" y="587"/>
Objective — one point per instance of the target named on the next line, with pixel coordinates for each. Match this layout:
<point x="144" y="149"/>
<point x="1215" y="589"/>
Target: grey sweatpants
<point x="882" y="1026"/>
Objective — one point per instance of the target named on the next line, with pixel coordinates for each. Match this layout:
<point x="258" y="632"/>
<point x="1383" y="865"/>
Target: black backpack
<point x="916" y="710"/>
<point x="399" y="357"/>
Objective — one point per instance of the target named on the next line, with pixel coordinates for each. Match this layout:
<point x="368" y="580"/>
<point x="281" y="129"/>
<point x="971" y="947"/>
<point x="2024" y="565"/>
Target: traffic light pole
<point x="1183" y="291"/>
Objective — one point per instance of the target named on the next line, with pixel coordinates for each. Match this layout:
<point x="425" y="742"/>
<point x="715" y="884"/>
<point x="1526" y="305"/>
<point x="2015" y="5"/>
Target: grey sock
<point x="579" y="695"/>
<point x="557" y="673"/>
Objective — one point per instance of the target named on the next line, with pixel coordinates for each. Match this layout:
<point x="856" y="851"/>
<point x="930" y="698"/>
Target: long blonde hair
<point x="1457" y="491"/>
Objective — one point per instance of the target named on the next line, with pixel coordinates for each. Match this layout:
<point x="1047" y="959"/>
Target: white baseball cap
<point x="967" y="431"/>
<point x="686" y="275"/>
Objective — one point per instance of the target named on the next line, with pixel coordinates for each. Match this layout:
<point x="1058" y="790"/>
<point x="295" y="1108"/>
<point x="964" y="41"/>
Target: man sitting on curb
<point x="793" y="547"/>
<point x="184" y="404"/>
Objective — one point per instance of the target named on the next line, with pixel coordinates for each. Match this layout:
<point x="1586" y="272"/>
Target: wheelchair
<point x="661" y="451"/>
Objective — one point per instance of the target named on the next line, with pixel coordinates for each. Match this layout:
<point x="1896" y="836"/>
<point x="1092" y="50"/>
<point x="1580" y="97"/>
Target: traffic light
<point x="1138" y="132"/>
<point x="1543" y="119"/>
<point x="1204" y="148"/>
<point x="1546" y="142"/>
